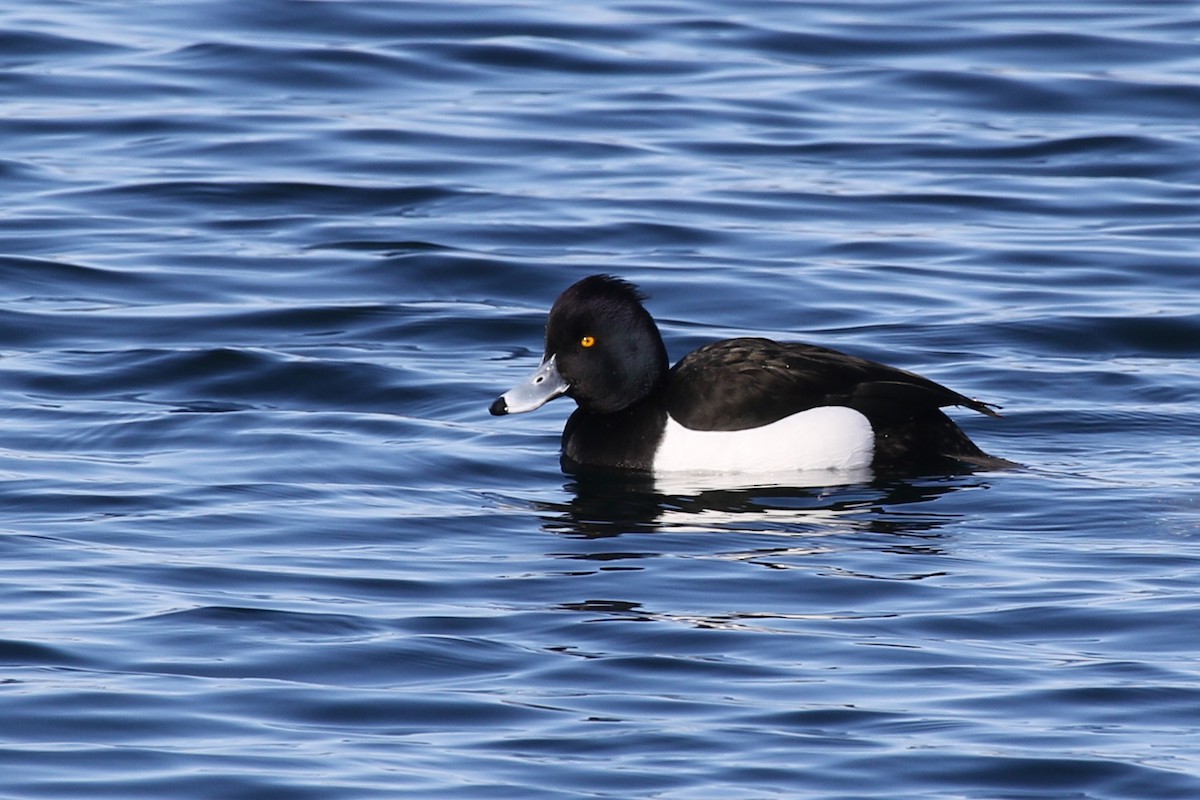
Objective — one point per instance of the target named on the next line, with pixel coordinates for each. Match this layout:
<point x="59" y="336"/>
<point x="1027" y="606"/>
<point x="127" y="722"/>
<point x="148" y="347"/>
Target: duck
<point x="740" y="405"/>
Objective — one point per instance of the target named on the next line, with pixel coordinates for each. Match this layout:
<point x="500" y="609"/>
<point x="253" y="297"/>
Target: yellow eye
<point x="587" y="341"/>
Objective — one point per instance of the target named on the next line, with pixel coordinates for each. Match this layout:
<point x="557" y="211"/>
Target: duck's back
<point x="744" y="383"/>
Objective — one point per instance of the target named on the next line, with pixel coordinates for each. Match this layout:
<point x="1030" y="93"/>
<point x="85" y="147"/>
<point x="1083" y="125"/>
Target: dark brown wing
<point x="744" y="383"/>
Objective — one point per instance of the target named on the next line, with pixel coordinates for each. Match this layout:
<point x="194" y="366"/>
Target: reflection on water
<point x="801" y="554"/>
<point x="758" y="621"/>
<point x="611" y="505"/>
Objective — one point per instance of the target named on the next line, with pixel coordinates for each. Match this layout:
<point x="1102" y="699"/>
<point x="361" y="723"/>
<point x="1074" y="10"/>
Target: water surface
<point x="263" y="267"/>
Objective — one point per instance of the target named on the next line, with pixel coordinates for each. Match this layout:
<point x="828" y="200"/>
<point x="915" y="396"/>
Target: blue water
<point x="263" y="266"/>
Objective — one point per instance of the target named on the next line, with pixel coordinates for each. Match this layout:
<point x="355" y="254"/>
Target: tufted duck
<point x="745" y="405"/>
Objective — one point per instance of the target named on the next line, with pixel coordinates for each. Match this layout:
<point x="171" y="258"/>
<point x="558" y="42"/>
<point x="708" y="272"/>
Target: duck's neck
<point x="624" y="439"/>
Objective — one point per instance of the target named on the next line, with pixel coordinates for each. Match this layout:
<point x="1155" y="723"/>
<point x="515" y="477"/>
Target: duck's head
<point x="602" y="349"/>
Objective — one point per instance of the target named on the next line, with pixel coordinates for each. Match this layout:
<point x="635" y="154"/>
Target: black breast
<point x="626" y="439"/>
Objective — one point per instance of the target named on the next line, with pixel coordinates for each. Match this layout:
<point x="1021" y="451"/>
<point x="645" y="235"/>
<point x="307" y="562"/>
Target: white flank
<point x="824" y="438"/>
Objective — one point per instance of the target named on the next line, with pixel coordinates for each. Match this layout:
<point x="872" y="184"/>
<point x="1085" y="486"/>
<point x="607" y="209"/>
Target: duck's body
<point x="738" y="405"/>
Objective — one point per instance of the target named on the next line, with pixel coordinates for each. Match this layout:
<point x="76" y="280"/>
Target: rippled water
<point x="264" y="265"/>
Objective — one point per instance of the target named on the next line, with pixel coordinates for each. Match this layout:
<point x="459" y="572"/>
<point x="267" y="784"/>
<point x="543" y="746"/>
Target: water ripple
<point x="263" y="267"/>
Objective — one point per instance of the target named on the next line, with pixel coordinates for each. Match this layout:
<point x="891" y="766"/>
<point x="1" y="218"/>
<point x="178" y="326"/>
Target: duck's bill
<point x="540" y="388"/>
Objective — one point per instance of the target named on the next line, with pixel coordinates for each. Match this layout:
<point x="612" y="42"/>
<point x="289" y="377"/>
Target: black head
<point x="605" y="344"/>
